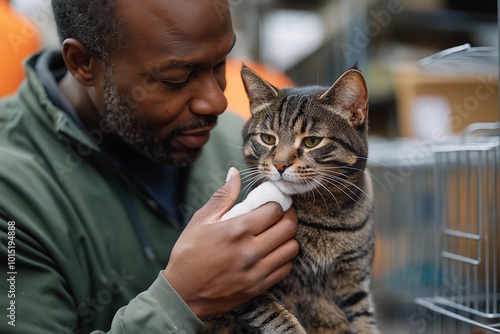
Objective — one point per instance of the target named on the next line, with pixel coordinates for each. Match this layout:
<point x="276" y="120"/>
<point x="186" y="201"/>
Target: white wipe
<point x="266" y="192"/>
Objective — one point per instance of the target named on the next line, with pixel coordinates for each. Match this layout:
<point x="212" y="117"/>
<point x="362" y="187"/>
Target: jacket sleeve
<point x="35" y="294"/>
<point x="36" y="298"/>
<point x="157" y="310"/>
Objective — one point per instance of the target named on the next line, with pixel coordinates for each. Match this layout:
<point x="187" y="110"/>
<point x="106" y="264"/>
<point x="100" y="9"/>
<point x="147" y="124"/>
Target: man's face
<point x="164" y="90"/>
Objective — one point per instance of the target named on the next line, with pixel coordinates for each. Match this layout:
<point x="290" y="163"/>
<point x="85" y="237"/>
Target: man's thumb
<point x="224" y="198"/>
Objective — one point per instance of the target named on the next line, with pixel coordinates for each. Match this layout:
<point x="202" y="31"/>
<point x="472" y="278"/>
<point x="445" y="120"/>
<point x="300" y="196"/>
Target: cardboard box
<point x="430" y="102"/>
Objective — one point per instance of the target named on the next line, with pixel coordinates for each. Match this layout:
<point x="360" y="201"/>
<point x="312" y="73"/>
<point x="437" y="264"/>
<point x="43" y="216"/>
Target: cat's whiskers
<point x="304" y="182"/>
<point x="361" y="170"/>
<point x="240" y="166"/>
<point x="309" y="193"/>
<point x="338" y="175"/>
<point x="324" y="187"/>
<point x="347" y="182"/>
<point x="249" y="173"/>
<point x="249" y="170"/>
<point x="249" y="177"/>
<point x="376" y="161"/>
<point x="373" y="176"/>
<point x="312" y="192"/>
<point x="249" y="186"/>
<point x="373" y="202"/>
<point x="317" y="75"/>
<point x="240" y="147"/>
<point x="341" y="167"/>
<point x="338" y="183"/>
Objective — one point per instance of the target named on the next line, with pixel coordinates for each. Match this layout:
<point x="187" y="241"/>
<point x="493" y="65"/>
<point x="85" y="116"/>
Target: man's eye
<point x="175" y="85"/>
<point x="268" y="139"/>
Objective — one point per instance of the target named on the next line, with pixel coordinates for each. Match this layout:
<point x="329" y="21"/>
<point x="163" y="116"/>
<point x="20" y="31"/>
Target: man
<point x="97" y="177"/>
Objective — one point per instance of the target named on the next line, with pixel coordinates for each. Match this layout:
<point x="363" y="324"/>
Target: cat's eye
<point x="311" y="142"/>
<point x="268" y="139"/>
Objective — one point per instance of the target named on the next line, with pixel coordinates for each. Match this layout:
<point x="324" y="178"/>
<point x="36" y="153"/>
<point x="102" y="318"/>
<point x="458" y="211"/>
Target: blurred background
<point x="314" y="41"/>
<point x="433" y="159"/>
<point x="432" y="72"/>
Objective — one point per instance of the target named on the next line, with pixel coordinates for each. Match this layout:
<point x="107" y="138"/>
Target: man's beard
<point x="118" y="115"/>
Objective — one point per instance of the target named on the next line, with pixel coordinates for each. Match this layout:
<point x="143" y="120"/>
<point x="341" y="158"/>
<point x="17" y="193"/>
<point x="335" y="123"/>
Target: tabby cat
<point x="312" y="142"/>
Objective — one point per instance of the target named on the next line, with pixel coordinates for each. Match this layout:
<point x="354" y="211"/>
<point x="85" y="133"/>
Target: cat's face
<point x="306" y="138"/>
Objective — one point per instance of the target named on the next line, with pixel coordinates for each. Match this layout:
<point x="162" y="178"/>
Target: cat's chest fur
<point x="326" y="240"/>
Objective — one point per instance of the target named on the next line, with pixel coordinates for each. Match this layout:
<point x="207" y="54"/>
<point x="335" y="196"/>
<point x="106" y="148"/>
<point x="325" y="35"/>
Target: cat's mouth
<point x="293" y="187"/>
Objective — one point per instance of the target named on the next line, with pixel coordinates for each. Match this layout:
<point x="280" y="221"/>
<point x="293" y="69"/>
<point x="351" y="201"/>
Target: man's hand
<point x="216" y="266"/>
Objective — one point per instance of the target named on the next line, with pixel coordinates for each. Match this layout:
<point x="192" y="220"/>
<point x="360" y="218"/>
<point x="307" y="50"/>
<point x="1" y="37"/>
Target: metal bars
<point x="467" y="276"/>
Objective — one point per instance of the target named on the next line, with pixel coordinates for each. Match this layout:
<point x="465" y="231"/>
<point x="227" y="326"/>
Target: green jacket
<point x="73" y="261"/>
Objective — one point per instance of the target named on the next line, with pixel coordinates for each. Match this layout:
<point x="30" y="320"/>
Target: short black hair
<point x="93" y="22"/>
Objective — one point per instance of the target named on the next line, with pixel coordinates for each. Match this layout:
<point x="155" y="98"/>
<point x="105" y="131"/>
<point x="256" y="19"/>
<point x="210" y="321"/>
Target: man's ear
<point x="80" y="62"/>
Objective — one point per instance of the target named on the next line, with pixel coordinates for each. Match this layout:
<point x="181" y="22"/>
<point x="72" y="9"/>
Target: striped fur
<point x="328" y="288"/>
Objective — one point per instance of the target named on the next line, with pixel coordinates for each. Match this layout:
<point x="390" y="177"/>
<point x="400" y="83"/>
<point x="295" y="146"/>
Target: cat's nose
<point x="281" y="165"/>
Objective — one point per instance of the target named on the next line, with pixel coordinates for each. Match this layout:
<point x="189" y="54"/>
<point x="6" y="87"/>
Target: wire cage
<point x="467" y="213"/>
<point x="438" y="218"/>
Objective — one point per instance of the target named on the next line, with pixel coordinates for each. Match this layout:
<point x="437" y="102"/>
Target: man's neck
<point x="86" y="111"/>
<point x="77" y="96"/>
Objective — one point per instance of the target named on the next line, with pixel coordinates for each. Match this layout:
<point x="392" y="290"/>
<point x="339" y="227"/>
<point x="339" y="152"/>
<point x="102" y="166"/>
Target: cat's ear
<point x="350" y="92"/>
<point x="259" y="91"/>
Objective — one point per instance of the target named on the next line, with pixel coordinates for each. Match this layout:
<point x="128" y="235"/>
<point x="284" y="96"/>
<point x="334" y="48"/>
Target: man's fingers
<point x="260" y="219"/>
<point x="276" y="276"/>
<point x="279" y="233"/>
<point x="223" y="199"/>
<point x="281" y="255"/>
<point x="278" y="263"/>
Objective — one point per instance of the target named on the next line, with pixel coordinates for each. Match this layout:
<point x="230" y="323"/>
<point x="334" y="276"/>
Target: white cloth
<point x="264" y="193"/>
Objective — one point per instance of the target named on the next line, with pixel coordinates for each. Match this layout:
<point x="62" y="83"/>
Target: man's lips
<point x="193" y="139"/>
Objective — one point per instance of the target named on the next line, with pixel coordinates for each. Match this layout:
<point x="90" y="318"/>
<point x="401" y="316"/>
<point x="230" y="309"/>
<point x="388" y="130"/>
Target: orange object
<point x="237" y="100"/>
<point x="19" y="38"/>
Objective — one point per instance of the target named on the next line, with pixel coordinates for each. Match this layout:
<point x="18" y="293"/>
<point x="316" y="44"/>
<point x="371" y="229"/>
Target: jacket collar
<point x="43" y="70"/>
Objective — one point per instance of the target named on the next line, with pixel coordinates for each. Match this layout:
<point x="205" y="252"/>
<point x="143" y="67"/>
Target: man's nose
<point x="211" y="99"/>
